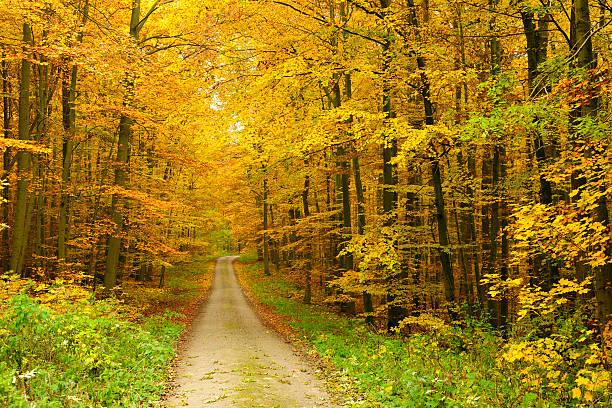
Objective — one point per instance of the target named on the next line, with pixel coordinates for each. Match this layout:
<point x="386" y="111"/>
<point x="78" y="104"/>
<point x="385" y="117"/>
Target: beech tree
<point x="392" y="158"/>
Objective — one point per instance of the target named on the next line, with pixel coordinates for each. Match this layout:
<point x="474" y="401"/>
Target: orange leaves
<point x="22" y="145"/>
<point x="143" y="198"/>
<point x="581" y="88"/>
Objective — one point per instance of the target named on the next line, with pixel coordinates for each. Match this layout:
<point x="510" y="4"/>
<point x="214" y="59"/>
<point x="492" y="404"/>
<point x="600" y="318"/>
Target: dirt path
<point x="232" y="360"/>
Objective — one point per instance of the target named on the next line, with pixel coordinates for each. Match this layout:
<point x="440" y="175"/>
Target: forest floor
<point x="230" y="359"/>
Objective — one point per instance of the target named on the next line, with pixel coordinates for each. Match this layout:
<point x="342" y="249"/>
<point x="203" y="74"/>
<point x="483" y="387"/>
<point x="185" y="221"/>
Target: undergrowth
<point x="184" y="285"/>
<point x="447" y="366"/>
<point x="81" y="358"/>
<point x="61" y="348"/>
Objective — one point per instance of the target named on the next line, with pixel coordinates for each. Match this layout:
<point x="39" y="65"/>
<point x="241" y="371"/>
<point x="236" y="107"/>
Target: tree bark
<point x="308" y="254"/>
<point x="389" y="193"/>
<point x="266" y="246"/>
<point x="23" y="162"/>
<point x="505" y="247"/>
<point x="39" y="168"/>
<point x="7" y="164"/>
<point x="114" y="240"/>
<point x="368" y="308"/>
<point x="585" y="59"/>
<point x="275" y="243"/>
<point x="537" y="44"/>
<point x="122" y="159"/>
<point x="442" y="223"/>
<point x="69" y="88"/>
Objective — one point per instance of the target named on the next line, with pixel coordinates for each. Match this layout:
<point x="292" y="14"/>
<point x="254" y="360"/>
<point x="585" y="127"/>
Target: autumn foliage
<point x="413" y="163"/>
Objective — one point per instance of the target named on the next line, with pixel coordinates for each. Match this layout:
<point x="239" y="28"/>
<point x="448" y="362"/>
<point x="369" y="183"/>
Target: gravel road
<point x="232" y="360"/>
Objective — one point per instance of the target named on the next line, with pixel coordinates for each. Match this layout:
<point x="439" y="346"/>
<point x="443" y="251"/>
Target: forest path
<point x="232" y="360"/>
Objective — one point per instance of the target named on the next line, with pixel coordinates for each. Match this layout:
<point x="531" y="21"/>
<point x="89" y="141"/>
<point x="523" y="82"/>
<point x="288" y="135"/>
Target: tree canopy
<point x="399" y="160"/>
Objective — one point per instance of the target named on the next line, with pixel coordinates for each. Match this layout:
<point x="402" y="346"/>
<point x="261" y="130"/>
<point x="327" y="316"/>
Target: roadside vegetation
<point x="60" y="347"/>
<point x="440" y="169"/>
<point x="440" y="365"/>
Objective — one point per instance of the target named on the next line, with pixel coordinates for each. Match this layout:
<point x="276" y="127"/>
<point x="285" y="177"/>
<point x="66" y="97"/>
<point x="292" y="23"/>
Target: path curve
<point x="232" y="360"/>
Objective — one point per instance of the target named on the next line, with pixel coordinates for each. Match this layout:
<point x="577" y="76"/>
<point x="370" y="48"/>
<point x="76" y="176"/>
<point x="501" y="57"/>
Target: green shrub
<point x="81" y="357"/>
<point x="451" y="367"/>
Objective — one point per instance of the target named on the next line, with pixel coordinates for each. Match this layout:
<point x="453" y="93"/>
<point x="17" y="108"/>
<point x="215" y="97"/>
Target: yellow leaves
<point x="497" y="286"/>
<point x="585" y="382"/>
<point x="416" y="139"/>
<point x="533" y="300"/>
<point x="389" y="387"/>
<point x="514" y="283"/>
<point x="573" y="354"/>
<point x="489" y="278"/>
<point x="380" y="351"/>
<point x="22" y="145"/>
<point x="561" y="232"/>
<point x="547" y="362"/>
<point x="553" y="374"/>
<point x="55" y="294"/>
<point x="515" y="353"/>
<point x="427" y="321"/>
<point x="594" y="380"/>
<point x="593" y="359"/>
<point x="375" y="251"/>
<point x="159" y="262"/>
<point x="142" y="197"/>
<point x="566" y="286"/>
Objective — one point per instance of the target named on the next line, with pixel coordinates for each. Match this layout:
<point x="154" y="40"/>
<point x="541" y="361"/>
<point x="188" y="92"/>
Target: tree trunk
<point x="266" y="246"/>
<point x="415" y="220"/>
<point x="68" y="121"/>
<point x="389" y="194"/>
<point x="505" y="246"/>
<point x="537" y="43"/>
<point x="368" y="308"/>
<point x="39" y="168"/>
<point x="123" y="150"/>
<point x="494" y="228"/>
<point x="480" y="290"/>
<point x="585" y="58"/>
<point x="443" y="237"/>
<point x="23" y="162"/>
<point x="69" y="84"/>
<point x="7" y="164"/>
<point x="114" y="240"/>
<point x="308" y="254"/>
<point x="275" y="243"/>
<point x="345" y="233"/>
<point x="445" y="259"/>
<point x="464" y="286"/>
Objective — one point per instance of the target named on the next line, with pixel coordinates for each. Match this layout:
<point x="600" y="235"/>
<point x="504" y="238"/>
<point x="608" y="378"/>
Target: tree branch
<point x="323" y="21"/>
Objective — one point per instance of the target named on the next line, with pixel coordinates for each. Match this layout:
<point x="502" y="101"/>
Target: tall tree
<point x="123" y="149"/>
<point x="69" y="91"/>
<point x="20" y="226"/>
<point x="582" y="51"/>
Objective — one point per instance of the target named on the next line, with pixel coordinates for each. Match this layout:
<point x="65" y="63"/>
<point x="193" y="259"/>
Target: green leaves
<point x="442" y="366"/>
<point x="80" y="358"/>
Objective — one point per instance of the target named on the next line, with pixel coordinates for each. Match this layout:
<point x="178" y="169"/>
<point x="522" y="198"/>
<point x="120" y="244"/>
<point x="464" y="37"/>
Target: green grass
<point x="247" y="257"/>
<point x="453" y="367"/>
<point x="81" y="357"/>
<point x="80" y="353"/>
<point x="184" y="276"/>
